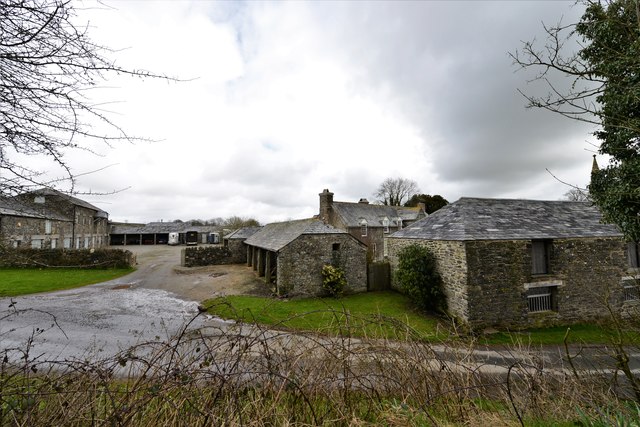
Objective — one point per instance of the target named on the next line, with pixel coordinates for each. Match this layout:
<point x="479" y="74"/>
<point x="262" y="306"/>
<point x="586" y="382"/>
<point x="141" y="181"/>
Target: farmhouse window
<point x="47" y="227"/>
<point x="541" y="299"/>
<point x="385" y="224"/>
<point x="633" y="254"/>
<point x="540" y="255"/>
<point x="336" y="246"/>
<point x="363" y="228"/>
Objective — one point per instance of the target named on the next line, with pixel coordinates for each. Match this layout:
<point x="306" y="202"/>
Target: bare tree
<point x="236" y="222"/>
<point x="577" y="195"/>
<point x="47" y="66"/>
<point x="598" y="58"/>
<point x="396" y="191"/>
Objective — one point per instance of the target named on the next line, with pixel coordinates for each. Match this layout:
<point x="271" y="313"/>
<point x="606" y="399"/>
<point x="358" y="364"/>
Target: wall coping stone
<point x="543" y="284"/>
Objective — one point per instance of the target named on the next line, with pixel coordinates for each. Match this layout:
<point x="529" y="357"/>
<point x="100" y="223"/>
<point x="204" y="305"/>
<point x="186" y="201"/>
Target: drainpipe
<point x="73" y="229"/>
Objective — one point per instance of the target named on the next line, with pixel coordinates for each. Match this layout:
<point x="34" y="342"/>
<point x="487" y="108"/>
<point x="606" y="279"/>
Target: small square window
<point x="336" y="246"/>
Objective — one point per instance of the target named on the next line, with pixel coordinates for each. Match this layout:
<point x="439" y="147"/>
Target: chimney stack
<point x="363" y="201"/>
<point x="326" y="205"/>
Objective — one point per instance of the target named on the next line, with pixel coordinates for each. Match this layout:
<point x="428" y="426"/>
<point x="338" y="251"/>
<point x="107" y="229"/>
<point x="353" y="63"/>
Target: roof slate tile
<point x="510" y="219"/>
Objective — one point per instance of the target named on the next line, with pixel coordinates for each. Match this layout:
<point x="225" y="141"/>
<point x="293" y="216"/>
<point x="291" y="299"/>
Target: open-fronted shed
<point x="290" y="255"/>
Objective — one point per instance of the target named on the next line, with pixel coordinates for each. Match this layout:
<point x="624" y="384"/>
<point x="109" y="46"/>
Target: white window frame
<point x="385" y="224"/>
<point x="363" y="228"/>
<point x="47" y="226"/>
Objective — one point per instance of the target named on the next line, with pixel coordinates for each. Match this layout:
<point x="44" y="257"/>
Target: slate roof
<point x="70" y="199"/>
<point x="13" y="207"/>
<point x="504" y="219"/>
<point x="352" y="214"/>
<point x="242" y="233"/>
<point x="275" y="236"/>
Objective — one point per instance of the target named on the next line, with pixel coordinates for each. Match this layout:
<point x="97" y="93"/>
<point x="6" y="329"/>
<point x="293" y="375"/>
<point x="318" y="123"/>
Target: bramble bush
<point x="418" y="277"/>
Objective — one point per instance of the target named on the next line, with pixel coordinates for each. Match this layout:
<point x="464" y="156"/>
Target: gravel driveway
<point x="99" y="320"/>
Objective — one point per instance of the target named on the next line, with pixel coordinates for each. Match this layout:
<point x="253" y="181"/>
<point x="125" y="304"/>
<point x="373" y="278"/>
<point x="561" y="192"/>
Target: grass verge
<point x="14" y="282"/>
<point x="577" y="334"/>
<point x="382" y="314"/>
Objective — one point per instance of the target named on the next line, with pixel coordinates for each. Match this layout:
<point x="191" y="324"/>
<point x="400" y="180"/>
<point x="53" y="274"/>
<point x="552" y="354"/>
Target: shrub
<point x="333" y="280"/>
<point x="418" y="277"/>
<point x="71" y="258"/>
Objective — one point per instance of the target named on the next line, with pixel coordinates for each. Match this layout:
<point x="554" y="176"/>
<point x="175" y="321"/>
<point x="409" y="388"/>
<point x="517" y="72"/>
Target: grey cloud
<point x="448" y="67"/>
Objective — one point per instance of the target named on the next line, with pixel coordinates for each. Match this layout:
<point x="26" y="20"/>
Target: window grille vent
<point x="539" y="302"/>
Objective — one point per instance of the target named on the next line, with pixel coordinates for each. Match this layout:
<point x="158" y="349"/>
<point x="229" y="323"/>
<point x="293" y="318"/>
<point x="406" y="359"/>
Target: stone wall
<point x="238" y="250"/>
<point x="584" y="277"/>
<point x="487" y="282"/>
<point x="299" y="264"/>
<point x="212" y="255"/>
<point x="87" y="231"/>
<point x="451" y="261"/>
<point x="16" y="231"/>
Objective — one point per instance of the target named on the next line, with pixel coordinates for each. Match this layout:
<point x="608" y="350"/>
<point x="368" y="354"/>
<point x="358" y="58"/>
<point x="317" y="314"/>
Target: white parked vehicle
<point x="174" y="239"/>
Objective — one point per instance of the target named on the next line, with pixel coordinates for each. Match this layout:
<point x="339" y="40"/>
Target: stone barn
<point x="525" y="263"/>
<point x="50" y="219"/>
<point x="235" y="242"/>
<point x="290" y="256"/>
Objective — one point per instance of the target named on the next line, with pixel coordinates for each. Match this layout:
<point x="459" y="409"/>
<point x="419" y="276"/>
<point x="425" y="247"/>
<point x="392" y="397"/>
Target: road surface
<point x="97" y="321"/>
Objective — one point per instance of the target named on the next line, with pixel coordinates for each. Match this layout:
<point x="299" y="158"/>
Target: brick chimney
<point x="363" y="201"/>
<point x="326" y="205"/>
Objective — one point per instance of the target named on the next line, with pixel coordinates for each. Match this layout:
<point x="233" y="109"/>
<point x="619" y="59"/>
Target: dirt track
<point x="159" y="268"/>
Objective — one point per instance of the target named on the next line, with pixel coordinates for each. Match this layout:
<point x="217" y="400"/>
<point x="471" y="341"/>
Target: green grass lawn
<point x="383" y="315"/>
<point x="373" y="314"/>
<point x="15" y="281"/>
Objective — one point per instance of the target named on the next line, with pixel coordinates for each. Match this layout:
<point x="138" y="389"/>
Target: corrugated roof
<point x="352" y="214"/>
<point x="276" y="236"/>
<point x="507" y="219"/>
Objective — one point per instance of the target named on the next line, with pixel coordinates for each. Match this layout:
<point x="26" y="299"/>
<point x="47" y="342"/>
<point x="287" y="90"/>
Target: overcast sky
<point x="284" y="99"/>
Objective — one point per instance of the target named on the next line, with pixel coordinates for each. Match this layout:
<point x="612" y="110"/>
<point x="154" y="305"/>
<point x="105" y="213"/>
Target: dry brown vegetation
<point x="249" y="375"/>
